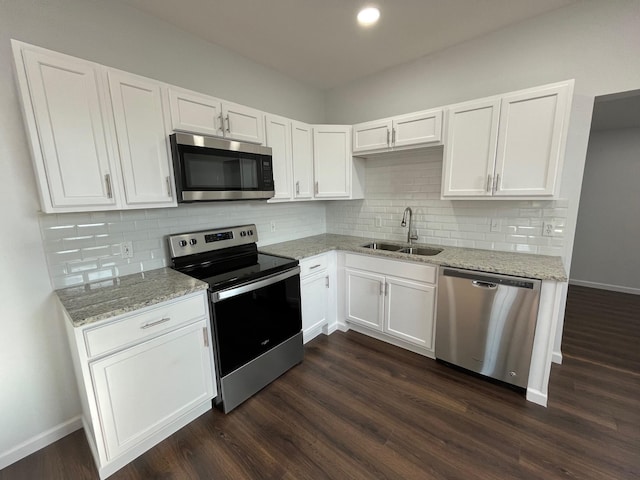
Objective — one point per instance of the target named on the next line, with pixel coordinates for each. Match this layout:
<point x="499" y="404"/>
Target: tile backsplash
<point x="86" y="247"/>
<point x="414" y="180"/>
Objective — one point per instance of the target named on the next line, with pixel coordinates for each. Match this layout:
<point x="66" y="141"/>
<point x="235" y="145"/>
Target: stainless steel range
<point x="255" y="307"/>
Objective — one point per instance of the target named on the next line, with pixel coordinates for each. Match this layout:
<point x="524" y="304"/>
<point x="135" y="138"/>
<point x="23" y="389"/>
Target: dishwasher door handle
<point x="488" y="285"/>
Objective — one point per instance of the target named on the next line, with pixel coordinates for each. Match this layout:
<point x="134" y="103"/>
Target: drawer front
<point x="312" y="265"/>
<point x="135" y="328"/>
<point x="397" y="268"/>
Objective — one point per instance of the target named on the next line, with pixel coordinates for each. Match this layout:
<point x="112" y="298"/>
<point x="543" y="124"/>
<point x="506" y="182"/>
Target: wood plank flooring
<point x="357" y="408"/>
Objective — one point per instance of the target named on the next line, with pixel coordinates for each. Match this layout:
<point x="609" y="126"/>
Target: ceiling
<point x="621" y="110"/>
<point x="319" y="42"/>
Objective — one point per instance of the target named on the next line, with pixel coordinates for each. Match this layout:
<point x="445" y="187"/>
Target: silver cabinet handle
<point x="388" y="136"/>
<point x="497" y="182"/>
<point x="386" y="289"/>
<point x="316" y="188"/>
<point x="157" y="322"/>
<point x="228" y="125"/>
<point x="381" y="288"/>
<point x="298" y="187"/>
<point x="326" y="281"/>
<point x="169" y="189"/>
<point x="107" y="180"/>
<point x="205" y="334"/>
<point x="393" y="137"/>
<point x="315" y="266"/>
<point x="489" y="183"/>
<point x="221" y="124"/>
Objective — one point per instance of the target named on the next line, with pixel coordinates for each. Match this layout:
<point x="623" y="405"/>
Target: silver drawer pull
<point x="315" y="266"/>
<point x="157" y="322"/>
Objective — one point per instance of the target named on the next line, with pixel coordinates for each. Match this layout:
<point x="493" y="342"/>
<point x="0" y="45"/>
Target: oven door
<point x="253" y="318"/>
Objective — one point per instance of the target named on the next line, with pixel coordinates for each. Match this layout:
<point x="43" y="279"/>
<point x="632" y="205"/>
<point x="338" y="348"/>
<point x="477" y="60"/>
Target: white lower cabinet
<point x="155" y="380"/>
<point x="317" y="280"/>
<point x="393" y="299"/>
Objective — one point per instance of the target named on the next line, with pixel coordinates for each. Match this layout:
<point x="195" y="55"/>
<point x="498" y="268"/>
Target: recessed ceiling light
<point x="368" y="16"/>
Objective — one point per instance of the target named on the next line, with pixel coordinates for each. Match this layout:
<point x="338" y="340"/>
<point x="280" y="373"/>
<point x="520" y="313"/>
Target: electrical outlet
<point x="495" y="224"/>
<point x="548" y="229"/>
<point x="378" y="222"/>
<point x="126" y="249"/>
<point x="273" y="226"/>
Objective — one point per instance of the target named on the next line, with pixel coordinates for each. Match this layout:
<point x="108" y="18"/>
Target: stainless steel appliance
<point x="255" y="307"/>
<point x="486" y="323"/>
<point x="208" y="169"/>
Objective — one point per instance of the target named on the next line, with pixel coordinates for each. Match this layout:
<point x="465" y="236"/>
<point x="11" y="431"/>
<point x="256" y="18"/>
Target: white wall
<point x="608" y="230"/>
<point x="38" y="391"/>
<point x="595" y="42"/>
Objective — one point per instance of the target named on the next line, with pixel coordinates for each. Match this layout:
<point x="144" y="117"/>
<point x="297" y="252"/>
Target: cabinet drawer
<point x="411" y="270"/>
<point x="312" y="265"/>
<point x="137" y="327"/>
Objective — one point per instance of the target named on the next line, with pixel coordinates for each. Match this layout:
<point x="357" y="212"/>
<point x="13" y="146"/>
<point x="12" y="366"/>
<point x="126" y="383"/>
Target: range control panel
<point x="202" y="241"/>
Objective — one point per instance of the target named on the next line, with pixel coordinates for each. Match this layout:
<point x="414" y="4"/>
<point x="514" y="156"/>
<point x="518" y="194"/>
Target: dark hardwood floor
<point x="361" y="409"/>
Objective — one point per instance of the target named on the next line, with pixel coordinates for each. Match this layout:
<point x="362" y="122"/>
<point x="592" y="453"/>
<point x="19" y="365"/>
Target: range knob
<point x="243" y="233"/>
<point x="193" y="241"/>
<point x="250" y="232"/>
<point x="182" y="243"/>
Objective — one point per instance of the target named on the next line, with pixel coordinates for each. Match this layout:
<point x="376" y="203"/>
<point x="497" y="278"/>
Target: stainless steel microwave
<point x="209" y="169"/>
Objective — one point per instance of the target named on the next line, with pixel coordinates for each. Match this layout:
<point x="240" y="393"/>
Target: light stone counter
<point x="100" y="300"/>
<point x="543" y="267"/>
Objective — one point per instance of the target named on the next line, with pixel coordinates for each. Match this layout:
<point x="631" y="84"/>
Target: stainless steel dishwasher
<point x="486" y="323"/>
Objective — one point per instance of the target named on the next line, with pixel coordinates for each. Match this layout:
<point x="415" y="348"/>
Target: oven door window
<point x="252" y="323"/>
<point x="221" y="170"/>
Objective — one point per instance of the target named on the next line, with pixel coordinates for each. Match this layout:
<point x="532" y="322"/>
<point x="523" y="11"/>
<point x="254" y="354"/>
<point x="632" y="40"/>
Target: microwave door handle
<point x="250" y="287"/>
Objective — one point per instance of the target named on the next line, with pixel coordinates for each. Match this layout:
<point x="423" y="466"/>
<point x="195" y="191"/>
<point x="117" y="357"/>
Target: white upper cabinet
<point x="402" y="132"/>
<point x="371" y="136"/>
<point x="278" y="137"/>
<point x="302" y="155"/>
<point x="66" y="116"/>
<point x="139" y="117"/>
<point x="508" y="146"/>
<point x="332" y="160"/>
<point x="531" y="139"/>
<point x="193" y="112"/>
<point x="419" y="128"/>
<point x="470" y="148"/>
<point x="242" y="123"/>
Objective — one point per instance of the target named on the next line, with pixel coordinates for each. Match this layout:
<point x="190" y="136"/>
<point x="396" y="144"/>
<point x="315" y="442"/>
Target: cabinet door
<point x="533" y="127"/>
<point x="470" y="149"/>
<point x="409" y="311"/>
<point x="139" y="115"/>
<point x="195" y="113"/>
<point x="315" y="297"/>
<point x="75" y="171"/>
<point x="332" y="161"/>
<point x="141" y="389"/>
<point x="417" y="128"/>
<point x="278" y="137"/>
<point x="243" y="123"/>
<point x="302" y="155"/>
<point x="370" y="136"/>
<point x="365" y="299"/>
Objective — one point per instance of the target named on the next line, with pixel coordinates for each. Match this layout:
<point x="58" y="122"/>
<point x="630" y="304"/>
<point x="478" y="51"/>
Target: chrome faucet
<point x="404" y="224"/>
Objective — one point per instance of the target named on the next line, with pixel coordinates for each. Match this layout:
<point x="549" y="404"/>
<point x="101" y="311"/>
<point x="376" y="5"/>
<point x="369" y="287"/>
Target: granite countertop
<point x="543" y="267"/>
<point x="101" y="300"/>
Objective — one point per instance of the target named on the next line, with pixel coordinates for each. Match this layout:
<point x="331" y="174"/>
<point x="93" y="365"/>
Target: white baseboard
<point x="537" y="397"/>
<point x="605" y="286"/>
<point x="556" y="357"/>
<point x="41" y="440"/>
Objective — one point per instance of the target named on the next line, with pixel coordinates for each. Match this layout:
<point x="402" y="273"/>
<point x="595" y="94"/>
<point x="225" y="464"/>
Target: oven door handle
<point x="251" y="286"/>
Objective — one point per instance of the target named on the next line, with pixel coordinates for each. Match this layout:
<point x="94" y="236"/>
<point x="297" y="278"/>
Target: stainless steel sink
<point x="383" y="246"/>
<point x="424" y="251"/>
